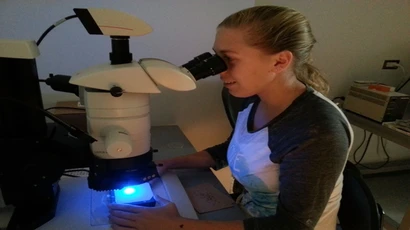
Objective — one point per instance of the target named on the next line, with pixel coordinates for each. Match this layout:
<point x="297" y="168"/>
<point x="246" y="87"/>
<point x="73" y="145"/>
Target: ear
<point x="282" y="61"/>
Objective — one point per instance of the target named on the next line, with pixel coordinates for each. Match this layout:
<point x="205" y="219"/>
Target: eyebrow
<point x="224" y="51"/>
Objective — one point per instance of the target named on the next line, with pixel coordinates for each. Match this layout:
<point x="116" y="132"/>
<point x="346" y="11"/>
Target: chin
<point x="237" y="93"/>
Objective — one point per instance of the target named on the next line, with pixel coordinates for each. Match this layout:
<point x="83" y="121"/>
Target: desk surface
<point x="170" y="142"/>
<point x="378" y="129"/>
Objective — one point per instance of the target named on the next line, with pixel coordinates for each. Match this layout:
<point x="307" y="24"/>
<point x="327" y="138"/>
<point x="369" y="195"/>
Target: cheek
<point x="249" y="77"/>
<point x="239" y="72"/>
<point x="245" y="80"/>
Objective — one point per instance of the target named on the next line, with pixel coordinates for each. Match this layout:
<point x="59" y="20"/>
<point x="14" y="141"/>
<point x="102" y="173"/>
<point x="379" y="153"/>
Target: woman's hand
<point x="162" y="167"/>
<point x="125" y="217"/>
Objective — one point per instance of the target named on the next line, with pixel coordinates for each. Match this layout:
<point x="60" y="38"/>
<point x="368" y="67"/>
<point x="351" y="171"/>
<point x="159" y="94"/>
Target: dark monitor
<point x="19" y="93"/>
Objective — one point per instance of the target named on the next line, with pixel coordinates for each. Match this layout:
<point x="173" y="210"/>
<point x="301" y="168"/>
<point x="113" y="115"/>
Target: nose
<point x="224" y="74"/>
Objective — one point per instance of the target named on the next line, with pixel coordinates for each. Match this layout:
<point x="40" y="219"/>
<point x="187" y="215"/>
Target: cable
<point x="402" y="68"/>
<point x="405" y="81"/>
<point x="63" y="107"/>
<point x="365" y="149"/>
<point x="68" y="171"/>
<point x="74" y="131"/>
<point x="341" y="98"/>
<point x="76" y="170"/>
<point x="364" y="139"/>
<point x="358" y="162"/>
<point x="53" y="131"/>
<point x="402" y="85"/>
<point x="69" y="175"/>
<point x="53" y="26"/>
<point x="385" y="152"/>
<point x="382" y="165"/>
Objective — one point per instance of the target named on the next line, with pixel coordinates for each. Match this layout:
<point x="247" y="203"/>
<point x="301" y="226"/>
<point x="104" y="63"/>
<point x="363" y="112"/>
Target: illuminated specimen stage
<point x="82" y="208"/>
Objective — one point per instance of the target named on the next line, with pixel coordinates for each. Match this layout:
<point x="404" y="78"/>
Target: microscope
<point x="117" y="102"/>
<point x="116" y="98"/>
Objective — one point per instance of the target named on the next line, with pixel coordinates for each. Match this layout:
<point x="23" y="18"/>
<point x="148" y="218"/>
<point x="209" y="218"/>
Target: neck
<point x="281" y="92"/>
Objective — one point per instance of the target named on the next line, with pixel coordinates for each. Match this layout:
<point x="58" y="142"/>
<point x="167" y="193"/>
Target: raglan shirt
<point x="291" y="168"/>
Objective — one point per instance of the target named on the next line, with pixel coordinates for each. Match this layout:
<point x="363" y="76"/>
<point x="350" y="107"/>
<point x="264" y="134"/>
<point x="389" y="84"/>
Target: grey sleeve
<point x="219" y="153"/>
<point x="308" y="174"/>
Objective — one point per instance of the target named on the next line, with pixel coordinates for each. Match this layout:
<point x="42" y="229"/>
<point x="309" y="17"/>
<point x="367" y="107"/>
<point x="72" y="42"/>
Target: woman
<point x="290" y="143"/>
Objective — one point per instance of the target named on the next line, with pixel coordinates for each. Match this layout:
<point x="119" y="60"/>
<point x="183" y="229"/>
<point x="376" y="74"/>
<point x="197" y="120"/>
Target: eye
<point x="227" y="59"/>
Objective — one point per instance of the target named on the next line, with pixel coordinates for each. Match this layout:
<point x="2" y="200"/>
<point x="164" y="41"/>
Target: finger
<point x="121" y="221"/>
<point x="161" y="201"/>
<point x="117" y="227"/>
<point x="126" y="207"/>
<point x="123" y="215"/>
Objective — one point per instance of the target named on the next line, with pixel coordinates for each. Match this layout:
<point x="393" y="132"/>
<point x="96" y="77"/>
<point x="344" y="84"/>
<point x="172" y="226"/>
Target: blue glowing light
<point x="129" y="190"/>
<point x="133" y="194"/>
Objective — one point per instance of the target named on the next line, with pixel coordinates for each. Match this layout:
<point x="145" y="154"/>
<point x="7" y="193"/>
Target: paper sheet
<point x="206" y="198"/>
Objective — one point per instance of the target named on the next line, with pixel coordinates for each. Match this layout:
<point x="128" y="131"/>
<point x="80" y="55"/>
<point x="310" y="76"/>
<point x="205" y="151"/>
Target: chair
<point x="358" y="208"/>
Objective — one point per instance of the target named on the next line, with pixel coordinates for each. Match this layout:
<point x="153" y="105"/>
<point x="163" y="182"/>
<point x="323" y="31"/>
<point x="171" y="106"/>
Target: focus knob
<point x="116" y="91"/>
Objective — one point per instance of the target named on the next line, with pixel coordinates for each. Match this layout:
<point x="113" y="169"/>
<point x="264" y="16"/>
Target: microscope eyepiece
<point x="196" y="60"/>
<point x="210" y="66"/>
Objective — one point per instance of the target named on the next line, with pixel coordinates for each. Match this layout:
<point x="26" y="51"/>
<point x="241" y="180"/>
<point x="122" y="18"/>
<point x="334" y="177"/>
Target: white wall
<point x="182" y="29"/>
<point x="354" y="38"/>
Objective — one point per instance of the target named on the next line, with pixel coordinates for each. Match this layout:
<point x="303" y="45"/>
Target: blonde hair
<point x="275" y="29"/>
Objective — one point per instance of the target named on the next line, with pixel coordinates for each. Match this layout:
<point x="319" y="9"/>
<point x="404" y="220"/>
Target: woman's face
<point x="249" y="69"/>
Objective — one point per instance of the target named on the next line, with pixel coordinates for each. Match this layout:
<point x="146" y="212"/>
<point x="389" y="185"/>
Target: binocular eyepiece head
<point x="205" y="65"/>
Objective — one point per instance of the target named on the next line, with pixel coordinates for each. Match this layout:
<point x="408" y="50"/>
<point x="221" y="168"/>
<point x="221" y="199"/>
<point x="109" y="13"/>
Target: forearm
<point x="200" y="159"/>
<point x="190" y="224"/>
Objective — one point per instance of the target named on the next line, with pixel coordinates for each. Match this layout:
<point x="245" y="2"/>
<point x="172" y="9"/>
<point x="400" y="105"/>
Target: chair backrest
<point x="232" y="105"/>
<point x="358" y="208"/>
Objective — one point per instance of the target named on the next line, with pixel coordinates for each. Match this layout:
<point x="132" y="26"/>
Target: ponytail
<point x="311" y="76"/>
